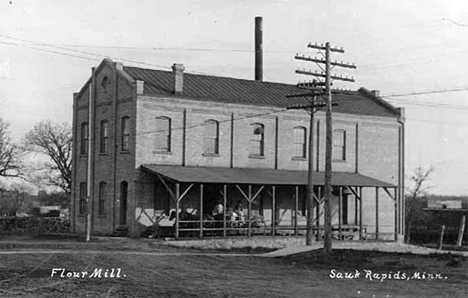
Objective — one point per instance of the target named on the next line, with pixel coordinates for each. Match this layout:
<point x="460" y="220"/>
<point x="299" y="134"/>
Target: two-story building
<point x="148" y="142"/>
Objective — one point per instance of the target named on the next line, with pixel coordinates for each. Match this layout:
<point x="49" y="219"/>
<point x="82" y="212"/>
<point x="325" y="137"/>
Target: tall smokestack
<point x="258" y="49"/>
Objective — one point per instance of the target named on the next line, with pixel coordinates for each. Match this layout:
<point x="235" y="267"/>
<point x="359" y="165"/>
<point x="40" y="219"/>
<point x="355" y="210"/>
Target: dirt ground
<point x="213" y="275"/>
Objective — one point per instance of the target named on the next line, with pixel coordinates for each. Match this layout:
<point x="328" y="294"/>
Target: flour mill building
<point x="148" y="142"/>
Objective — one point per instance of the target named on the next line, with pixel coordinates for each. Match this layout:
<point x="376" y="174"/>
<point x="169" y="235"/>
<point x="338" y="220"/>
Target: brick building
<point x="152" y="141"/>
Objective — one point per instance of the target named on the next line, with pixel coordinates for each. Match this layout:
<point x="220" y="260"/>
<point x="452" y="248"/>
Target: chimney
<point x="258" y="49"/>
<point x="178" y="70"/>
<point x="375" y="93"/>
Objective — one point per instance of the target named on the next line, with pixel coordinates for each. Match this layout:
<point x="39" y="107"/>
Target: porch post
<point x="396" y="213"/>
<point x="273" y="210"/>
<point x="201" y="210"/>
<point x="361" y="199"/>
<point x="177" y="194"/>
<point x="340" y="212"/>
<point x="355" y="209"/>
<point x="318" y="213"/>
<point x="250" y="210"/>
<point x="224" y="208"/>
<point x="376" y="213"/>
<point x="296" y="211"/>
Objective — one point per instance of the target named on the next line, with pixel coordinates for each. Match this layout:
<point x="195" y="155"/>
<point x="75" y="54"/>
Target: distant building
<point x="163" y="141"/>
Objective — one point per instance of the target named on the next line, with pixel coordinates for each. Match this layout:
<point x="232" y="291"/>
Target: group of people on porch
<point x="236" y="215"/>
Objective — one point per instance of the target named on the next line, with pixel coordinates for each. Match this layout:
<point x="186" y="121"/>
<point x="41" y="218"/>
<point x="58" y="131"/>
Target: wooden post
<point x="356" y="209"/>
<point x="201" y="210"/>
<point x="360" y="212"/>
<point x="441" y="239"/>
<point x="296" y="210"/>
<point x="224" y="212"/>
<point x="273" y="209"/>
<point x="319" y="234"/>
<point x="310" y="180"/>
<point x="250" y="210"/>
<point x="177" y="194"/>
<point x="376" y="213"/>
<point x="340" y="212"/>
<point x="461" y="230"/>
<point x="396" y="213"/>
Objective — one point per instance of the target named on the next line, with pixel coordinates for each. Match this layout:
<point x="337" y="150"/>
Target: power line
<point x="427" y="92"/>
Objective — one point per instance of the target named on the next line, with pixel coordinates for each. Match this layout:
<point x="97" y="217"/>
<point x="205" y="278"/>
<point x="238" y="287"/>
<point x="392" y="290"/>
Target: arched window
<point x="125" y="133"/>
<point x="82" y="208"/>
<point x="339" y="145"/>
<point x="105" y="83"/>
<point x="163" y="134"/>
<point x="102" y="198"/>
<point x="84" y="138"/>
<point x="257" y="140"/>
<point x="104" y="136"/>
<point x="211" y="137"/>
<point x="300" y="141"/>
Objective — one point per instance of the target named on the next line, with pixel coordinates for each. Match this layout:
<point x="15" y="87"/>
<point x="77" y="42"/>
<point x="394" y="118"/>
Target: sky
<point x="400" y="47"/>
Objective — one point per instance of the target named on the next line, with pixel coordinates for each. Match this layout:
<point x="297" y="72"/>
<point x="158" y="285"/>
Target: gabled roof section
<point x="250" y="92"/>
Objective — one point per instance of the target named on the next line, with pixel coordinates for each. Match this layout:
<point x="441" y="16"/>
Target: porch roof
<point x="258" y="176"/>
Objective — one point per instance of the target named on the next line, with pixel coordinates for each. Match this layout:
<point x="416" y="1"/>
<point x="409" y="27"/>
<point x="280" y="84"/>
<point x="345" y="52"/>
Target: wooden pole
<point x="461" y="230"/>
<point x="361" y="199"/>
<point x="177" y="211"/>
<point x="310" y="182"/>
<point x="273" y="210"/>
<point x="441" y="239"/>
<point x="250" y="210"/>
<point x="327" y="245"/>
<point x="201" y="210"/>
<point x="376" y="213"/>
<point x="340" y="212"/>
<point x="296" y="209"/>
<point x="224" y="212"/>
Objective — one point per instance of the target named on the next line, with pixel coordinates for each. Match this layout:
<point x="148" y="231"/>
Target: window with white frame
<point x="339" y="145"/>
<point x="211" y="137"/>
<point x="300" y="135"/>
<point x="257" y="141"/>
<point x="163" y="134"/>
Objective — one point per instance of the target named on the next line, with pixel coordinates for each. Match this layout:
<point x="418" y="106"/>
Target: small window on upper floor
<point x="105" y="83"/>
<point x="300" y="135"/>
<point x="104" y="136"/>
<point x="163" y="134"/>
<point x="84" y="138"/>
<point x="125" y="142"/>
<point x="339" y="145"/>
<point x="257" y="141"/>
<point x="211" y="137"/>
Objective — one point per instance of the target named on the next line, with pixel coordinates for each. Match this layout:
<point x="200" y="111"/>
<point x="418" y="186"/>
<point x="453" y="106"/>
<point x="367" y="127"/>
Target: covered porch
<point x="223" y="202"/>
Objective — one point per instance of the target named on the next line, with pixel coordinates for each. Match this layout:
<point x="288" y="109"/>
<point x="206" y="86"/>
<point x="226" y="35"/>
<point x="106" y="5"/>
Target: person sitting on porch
<point x="240" y="212"/>
<point x="218" y="209"/>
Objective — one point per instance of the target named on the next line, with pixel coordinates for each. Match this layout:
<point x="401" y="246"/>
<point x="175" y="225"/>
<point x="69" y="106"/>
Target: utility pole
<point x="315" y="91"/>
<point x="328" y="77"/>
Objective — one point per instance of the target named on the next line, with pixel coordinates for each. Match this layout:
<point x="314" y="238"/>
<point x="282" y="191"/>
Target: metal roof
<point x="250" y="92"/>
<point x="258" y="176"/>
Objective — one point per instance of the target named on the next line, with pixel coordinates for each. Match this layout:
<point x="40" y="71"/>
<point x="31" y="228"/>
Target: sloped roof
<point x="240" y="91"/>
<point x="258" y="176"/>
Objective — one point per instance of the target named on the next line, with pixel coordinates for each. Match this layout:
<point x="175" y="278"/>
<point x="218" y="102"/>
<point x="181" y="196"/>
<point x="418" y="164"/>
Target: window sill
<point x="256" y="156"/>
<point x="103" y="154"/>
<point x="210" y="154"/>
<point x="83" y="155"/>
<point x="163" y="152"/>
<point x="339" y="161"/>
<point x="124" y="152"/>
<point x="102" y="216"/>
<point x="82" y="215"/>
<point x="298" y="158"/>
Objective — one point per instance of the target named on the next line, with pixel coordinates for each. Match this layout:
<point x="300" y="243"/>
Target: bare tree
<point x="15" y="199"/>
<point x="54" y="140"/>
<point x="9" y="153"/>
<point x="415" y="194"/>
